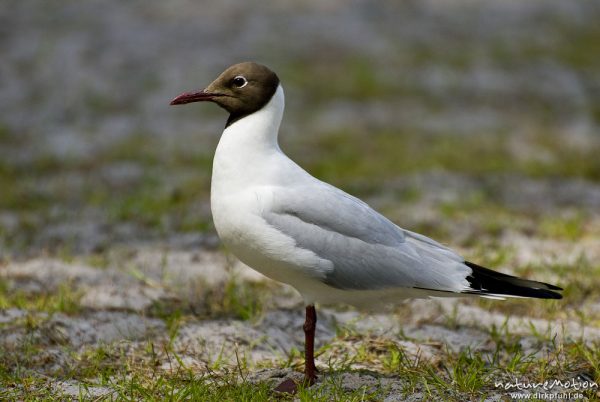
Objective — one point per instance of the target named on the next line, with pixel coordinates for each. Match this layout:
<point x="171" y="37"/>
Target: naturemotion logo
<point x="575" y="384"/>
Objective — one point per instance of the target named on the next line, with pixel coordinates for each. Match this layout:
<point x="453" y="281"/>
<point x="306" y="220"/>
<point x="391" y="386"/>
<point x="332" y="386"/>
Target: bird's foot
<point x="309" y="380"/>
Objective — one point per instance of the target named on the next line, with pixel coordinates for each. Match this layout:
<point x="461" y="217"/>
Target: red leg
<point x="310" y="324"/>
<point x="309" y="345"/>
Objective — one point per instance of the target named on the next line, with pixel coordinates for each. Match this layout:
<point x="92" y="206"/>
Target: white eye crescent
<point x="240" y="81"/>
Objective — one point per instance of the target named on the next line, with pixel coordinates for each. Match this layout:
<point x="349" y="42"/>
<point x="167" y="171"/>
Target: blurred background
<point x="469" y="121"/>
<point x="476" y="123"/>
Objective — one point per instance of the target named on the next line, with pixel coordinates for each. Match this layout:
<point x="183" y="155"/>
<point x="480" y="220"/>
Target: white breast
<point x="248" y="167"/>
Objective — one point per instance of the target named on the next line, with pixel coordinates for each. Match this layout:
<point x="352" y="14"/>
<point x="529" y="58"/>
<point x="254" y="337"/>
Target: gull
<point x="328" y="245"/>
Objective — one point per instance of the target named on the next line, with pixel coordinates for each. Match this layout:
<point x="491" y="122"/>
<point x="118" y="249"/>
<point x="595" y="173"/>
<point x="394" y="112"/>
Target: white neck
<point x="248" y="147"/>
<point x="259" y="128"/>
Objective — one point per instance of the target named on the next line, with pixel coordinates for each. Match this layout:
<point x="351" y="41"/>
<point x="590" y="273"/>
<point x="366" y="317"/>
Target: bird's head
<point x="241" y="89"/>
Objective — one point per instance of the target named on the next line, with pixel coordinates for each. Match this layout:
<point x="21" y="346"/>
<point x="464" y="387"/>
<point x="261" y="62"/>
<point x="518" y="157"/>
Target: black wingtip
<point x="486" y="281"/>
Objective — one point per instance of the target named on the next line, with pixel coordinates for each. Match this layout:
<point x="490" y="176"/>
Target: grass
<point x="65" y="299"/>
<point x="467" y="373"/>
<point x="570" y="226"/>
<point x="184" y="386"/>
<point x="233" y="299"/>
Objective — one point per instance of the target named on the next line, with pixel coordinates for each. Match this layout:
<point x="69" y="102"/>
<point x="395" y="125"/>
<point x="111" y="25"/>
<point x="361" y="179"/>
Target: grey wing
<point x="366" y="249"/>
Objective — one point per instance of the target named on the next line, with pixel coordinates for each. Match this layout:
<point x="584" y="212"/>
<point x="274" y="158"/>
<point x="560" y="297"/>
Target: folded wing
<point x="366" y="249"/>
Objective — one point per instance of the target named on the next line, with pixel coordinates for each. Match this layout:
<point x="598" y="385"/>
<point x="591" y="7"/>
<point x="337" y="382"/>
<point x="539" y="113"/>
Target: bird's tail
<point x="484" y="281"/>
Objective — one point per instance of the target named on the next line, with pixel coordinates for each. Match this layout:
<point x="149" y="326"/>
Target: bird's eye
<point x="240" y="81"/>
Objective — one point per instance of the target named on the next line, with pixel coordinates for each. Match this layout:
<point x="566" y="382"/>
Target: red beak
<point x="198" y="96"/>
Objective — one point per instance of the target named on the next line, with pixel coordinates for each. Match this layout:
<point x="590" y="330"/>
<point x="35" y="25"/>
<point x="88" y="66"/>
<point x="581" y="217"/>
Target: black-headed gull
<point x="330" y="246"/>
